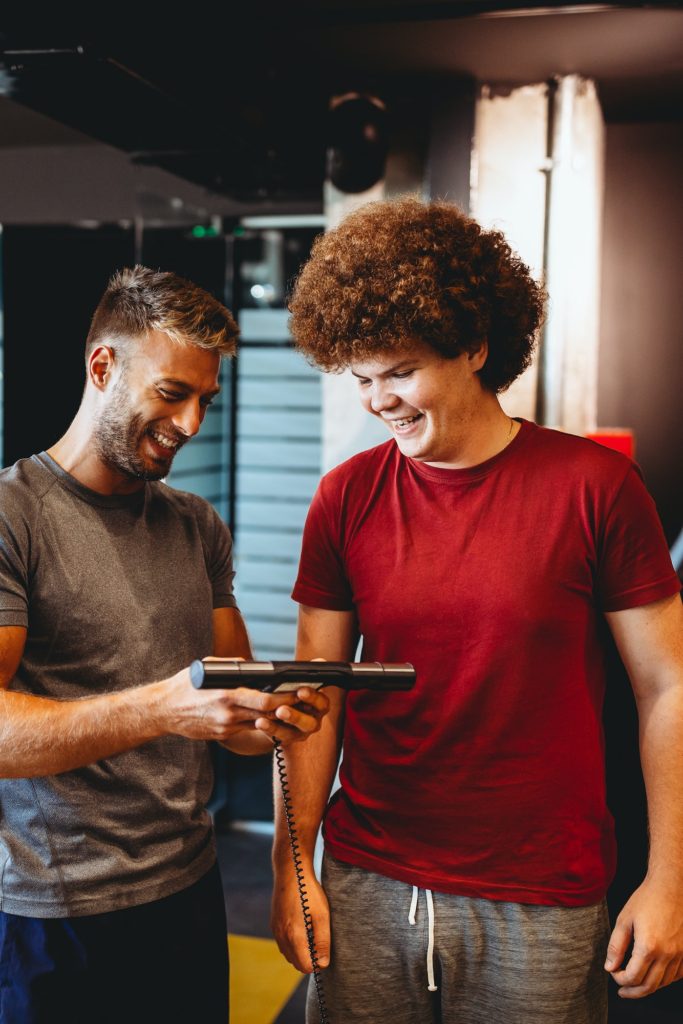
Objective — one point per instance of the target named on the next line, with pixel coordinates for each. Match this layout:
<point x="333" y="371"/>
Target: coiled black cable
<point x="300" y="881"/>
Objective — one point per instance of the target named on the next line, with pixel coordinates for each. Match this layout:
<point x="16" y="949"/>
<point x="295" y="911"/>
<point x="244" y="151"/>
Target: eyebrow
<point x="175" y="383"/>
<point x="392" y="369"/>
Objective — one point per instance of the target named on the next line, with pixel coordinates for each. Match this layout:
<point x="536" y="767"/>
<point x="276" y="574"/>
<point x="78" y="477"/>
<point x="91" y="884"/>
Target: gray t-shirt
<point x="115" y="592"/>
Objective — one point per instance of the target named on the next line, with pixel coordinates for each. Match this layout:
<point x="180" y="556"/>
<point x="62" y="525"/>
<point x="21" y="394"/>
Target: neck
<point x="75" y="452"/>
<point x="484" y="431"/>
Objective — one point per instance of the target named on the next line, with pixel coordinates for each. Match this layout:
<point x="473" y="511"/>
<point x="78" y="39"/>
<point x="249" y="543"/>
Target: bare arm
<point x="311" y="769"/>
<point x="650" y="641"/>
<point x="41" y="736"/>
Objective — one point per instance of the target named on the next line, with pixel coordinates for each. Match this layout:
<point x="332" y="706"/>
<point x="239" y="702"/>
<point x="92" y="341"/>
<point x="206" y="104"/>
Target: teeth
<point x="165" y="442"/>
<point x="404" y="423"/>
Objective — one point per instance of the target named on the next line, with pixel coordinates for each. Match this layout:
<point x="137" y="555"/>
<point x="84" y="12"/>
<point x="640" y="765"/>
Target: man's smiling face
<point x="428" y="402"/>
<point x="155" y="404"/>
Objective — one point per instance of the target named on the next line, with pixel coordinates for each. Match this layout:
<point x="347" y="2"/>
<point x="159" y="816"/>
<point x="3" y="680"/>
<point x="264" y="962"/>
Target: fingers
<point x="619" y="941"/>
<point x="659" y="974"/>
<point x="298" y="953"/>
<point x="292" y="723"/>
<point x="646" y="971"/>
<point x="218" y="714"/>
<point x="215" y="657"/>
<point x="288" y="928"/>
<point x="322" y="941"/>
<point x="257" y="700"/>
<point x="269" y="703"/>
<point x="674" y="972"/>
<point x="640" y="977"/>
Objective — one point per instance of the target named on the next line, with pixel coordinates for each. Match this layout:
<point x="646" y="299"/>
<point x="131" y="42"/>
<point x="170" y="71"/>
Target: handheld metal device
<point x="281" y="676"/>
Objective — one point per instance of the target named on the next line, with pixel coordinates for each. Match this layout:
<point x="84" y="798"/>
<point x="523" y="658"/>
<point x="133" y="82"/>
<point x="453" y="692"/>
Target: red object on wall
<point x="619" y="438"/>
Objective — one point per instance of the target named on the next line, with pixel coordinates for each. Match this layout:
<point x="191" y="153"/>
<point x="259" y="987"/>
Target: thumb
<point x="618" y="945"/>
<point x="320" y="920"/>
<point x="321" y="938"/>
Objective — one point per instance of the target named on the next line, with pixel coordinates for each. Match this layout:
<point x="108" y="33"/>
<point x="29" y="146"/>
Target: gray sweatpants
<point x="492" y="962"/>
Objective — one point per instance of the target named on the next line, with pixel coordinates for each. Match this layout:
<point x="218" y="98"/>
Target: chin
<point x="413" y="451"/>
<point x="157" y="471"/>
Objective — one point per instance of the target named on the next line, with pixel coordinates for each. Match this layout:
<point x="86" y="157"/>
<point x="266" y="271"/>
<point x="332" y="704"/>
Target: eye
<point x="170" y="396"/>
<point x="206" y="402"/>
<point x="403" y="374"/>
<point x="362" y="382"/>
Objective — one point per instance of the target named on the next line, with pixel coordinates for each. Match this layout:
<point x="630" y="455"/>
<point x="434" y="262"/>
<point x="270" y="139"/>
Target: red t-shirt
<point x="487" y="779"/>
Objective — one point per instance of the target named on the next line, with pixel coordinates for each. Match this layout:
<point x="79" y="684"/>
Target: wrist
<point x="249" y="742"/>
<point x="667" y="878"/>
<point x="150" y="704"/>
<point x="282" y="856"/>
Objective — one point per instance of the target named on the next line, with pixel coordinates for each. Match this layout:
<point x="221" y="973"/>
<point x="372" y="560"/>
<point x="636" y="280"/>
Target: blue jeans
<point x="164" y="961"/>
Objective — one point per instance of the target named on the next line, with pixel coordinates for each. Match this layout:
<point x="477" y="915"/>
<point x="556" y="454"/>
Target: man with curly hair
<point x="469" y="847"/>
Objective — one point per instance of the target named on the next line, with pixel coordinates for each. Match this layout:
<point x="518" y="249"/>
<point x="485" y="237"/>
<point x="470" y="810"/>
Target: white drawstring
<point x="430" y="947"/>
<point x="431" y="986"/>
<point x="413" y="906"/>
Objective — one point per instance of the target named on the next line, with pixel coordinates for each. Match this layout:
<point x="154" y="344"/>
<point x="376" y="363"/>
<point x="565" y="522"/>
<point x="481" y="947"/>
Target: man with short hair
<point x="111" y="584"/>
<point x="469" y="848"/>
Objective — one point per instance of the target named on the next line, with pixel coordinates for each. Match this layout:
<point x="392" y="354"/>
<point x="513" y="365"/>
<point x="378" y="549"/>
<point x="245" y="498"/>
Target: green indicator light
<point x="211" y="232"/>
<point x="198" y="231"/>
<point x="238" y="232"/>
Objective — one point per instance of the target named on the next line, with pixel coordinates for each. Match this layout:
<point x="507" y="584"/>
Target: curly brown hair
<point x="400" y="271"/>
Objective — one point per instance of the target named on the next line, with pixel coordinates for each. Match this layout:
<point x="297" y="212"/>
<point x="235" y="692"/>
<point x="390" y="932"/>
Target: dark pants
<point x="163" y="961"/>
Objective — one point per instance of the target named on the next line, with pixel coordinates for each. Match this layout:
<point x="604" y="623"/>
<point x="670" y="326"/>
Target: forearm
<point x="40" y="736"/>
<point x="249" y="743"/>
<point x="311" y="769"/>
<point x="661" y="748"/>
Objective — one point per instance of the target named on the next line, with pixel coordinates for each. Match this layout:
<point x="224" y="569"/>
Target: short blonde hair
<point x="139" y="300"/>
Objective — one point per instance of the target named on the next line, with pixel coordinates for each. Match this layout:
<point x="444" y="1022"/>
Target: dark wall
<point x="53" y="279"/>
<point x="639" y="386"/>
<point x="641" y="344"/>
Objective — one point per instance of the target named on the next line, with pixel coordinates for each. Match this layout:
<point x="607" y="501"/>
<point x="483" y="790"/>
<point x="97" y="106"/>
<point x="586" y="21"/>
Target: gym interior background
<point x="221" y="154"/>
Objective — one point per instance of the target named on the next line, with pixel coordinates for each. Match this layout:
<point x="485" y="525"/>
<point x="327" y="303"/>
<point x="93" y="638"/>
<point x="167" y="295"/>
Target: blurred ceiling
<point x="239" y="106"/>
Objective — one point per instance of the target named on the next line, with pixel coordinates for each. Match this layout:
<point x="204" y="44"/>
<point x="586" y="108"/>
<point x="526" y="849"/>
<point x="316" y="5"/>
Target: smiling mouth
<point x="169" y="444"/>
<point x="407" y="421"/>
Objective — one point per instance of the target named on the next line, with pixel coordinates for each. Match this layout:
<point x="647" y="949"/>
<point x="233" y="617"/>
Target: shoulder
<point x="22" y="489"/>
<point x="361" y="470"/>
<point x="576" y="458"/>
<point x="26" y="479"/>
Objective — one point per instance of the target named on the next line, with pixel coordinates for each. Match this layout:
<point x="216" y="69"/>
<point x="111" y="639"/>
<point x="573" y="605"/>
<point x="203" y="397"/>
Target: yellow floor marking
<point x="261" y="980"/>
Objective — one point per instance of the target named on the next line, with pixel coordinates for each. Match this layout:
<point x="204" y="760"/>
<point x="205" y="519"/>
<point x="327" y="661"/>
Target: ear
<point x="101" y="362"/>
<point x="479" y="356"/>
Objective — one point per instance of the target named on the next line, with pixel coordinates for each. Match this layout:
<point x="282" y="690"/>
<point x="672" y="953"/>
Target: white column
<point x="527" y="139"/>
<point x="509" y="191"/>
<point x="571" y="337"/>
<point x="347" y="428"/>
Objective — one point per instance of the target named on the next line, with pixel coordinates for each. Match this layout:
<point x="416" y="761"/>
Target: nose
<point x="188" y="417"/>
<point x="381" y="396"/>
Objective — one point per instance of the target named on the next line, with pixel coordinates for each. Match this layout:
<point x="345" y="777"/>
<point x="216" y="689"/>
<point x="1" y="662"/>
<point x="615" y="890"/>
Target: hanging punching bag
<point x="356" y="142"/>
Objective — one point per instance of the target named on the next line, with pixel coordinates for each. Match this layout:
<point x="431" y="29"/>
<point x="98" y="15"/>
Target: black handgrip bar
<point x="271" y="676"/>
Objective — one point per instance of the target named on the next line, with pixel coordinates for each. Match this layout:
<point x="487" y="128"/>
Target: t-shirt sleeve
<point x="14" y="571"/>
<point x="322" y="581"/>
<point x="634" y="566"/>
<point x="219" y="562"/>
